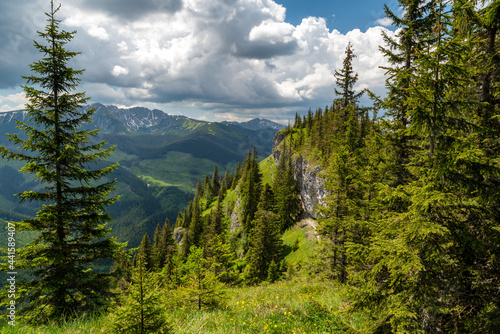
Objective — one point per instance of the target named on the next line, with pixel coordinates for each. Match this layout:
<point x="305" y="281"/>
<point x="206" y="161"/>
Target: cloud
<point x="118" y="70"/>
<point x="267" y="40"/>
<point x="237" y="57"/>
<point x="12" y="102"/>
<point x="17" y="32"/>
<point x="131" y="9"/>
<point x="386" y="22"/>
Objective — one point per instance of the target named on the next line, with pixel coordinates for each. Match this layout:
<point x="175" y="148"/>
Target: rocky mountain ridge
<point x="113" y="119"/>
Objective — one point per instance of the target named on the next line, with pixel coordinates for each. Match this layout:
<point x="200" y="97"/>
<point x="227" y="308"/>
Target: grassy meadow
<point x="282" y="307"/>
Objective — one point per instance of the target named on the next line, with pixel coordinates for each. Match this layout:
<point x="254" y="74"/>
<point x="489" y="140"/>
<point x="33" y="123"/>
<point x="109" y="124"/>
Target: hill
<point x="161" y="158"/>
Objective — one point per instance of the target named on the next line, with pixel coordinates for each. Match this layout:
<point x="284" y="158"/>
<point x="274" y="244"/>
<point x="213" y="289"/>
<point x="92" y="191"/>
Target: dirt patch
<point x="311" y="228"/>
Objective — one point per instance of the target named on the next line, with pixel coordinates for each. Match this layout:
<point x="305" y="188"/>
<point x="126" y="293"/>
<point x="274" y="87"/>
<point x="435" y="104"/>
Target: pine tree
<point x="206" y="195"/>
<point x="214" y="226"/>
<point x="164" y="246"/>
<point x="237" y="176"/>
<point x="222" y="260"/>
<point x="140" y="309"/>
<point x="298" y="121"/>
<point x="227" y="181"/>
<point x="267" y="201"/>
<point x="156" y="249"/>
<point x="265" y="246"/>
<point x="346" y="78"/>
<point x="341" y="219"/>
<point x="308" y="122"/>
<point x="202" y="286"/>
<point x="70" y="227"/>
<point x="273" y="273"/>
<point x="216" y="184"/>
<point x="195" y="232"/>
<point x="401" y="55"/>
<point x="250" y="189"/>
<point x="286" y="189"/>
<point x="428" y="258"/>
<point x="145" y="253"/>
<point x="171" y="252"/>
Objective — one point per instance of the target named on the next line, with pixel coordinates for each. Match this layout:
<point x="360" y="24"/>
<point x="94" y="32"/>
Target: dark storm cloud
<point x="265" y="50"/>
<point x="133" y="9"/>
<point x="18" y="29"/>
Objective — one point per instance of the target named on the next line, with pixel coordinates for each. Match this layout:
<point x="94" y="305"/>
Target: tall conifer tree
<point x="265" y="246"/>
<point x="340" y="217"/>
<point x="286" y="189"/>
<point x="346" y="79"/>
<point x="71" y="226"/>
<point x="145" y="254"/>
<point x="432" y="261"/>
<point x="250" y="187"/>
<point x="401" y="55"/>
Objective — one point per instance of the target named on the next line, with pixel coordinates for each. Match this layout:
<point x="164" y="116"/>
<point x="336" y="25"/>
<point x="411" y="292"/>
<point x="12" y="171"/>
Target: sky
<point x="213" y="60"/>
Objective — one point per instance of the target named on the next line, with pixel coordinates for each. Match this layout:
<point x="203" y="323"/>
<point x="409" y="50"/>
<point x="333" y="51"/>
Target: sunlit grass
<point x="88" y="325"/>
<point x="282" y="307"/>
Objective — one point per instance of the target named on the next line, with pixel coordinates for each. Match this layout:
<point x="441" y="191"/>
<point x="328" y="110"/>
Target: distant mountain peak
<point x="257" y="124"/>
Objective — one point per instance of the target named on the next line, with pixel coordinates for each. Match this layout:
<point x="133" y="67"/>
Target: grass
<point x="297" y="305"/>
<point x="282" y="307"/>
<point x="149" y="180"/>
<point x="304" y="239"/>
<point x="268" y="168"/>
<point x="177" y="169"/>
<point x="88" y="325"/>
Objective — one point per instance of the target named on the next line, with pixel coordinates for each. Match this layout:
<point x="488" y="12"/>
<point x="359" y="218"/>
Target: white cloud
<point x="272" y="31"/>
<point x="98" y="32"/>
<point x="118" y="70"/>
<point x="12" y="102"/>
<point x="122" y="46"/>
<point x="386" y="22"/>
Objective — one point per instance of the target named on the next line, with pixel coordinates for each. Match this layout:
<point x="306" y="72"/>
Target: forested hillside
<point x="410" y="225"/>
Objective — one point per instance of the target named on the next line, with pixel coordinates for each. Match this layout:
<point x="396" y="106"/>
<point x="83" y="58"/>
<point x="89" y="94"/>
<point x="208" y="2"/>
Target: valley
<point x="161" y="159"/>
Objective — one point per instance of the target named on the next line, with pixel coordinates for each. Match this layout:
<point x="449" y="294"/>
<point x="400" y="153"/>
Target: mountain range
<point x="161" y="159"/>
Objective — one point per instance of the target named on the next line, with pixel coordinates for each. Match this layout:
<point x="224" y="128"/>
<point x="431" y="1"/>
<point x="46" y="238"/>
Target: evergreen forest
<point x="406" y="239"/>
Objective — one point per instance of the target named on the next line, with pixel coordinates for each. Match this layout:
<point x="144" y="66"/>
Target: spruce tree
<point x="401" y="55"/>
<point x="340" y="221"/>
<point x="273" y="272"/>
<point x="250" y="188"/>
<point x="164" y="246"/>
<point x="346" y="78"/>
<point x="156" y="247"/>
<point x="286" y="189"/>
<point x="145" y="253"/>
<point x="265" y="246"/>
<point x="140" y="309"/>
<point x="70" y="228"/>
<point x="195" y="232"/>
<point x="433" y="260"/>
<point x="267" y="201"/>
<point x="222" y="260"/>
<point x="201" y="284"/>
<point x="216" y="183"/>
